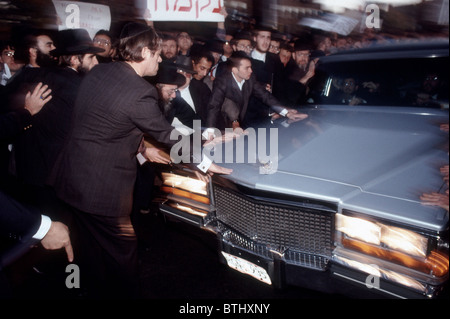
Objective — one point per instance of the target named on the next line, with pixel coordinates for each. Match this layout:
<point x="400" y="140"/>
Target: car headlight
<point x="185" y="187"/>
<point x="394" y="244"/>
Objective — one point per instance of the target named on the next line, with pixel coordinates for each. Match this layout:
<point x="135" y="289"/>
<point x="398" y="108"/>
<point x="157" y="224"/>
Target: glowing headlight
<point x="185" y="187"/>
<point x="394" y="238"/>
<point x="393" y="244"/>
<point x="359" y="229"/>
<point x="404" y="240"/>
<point x="185" y="183"/>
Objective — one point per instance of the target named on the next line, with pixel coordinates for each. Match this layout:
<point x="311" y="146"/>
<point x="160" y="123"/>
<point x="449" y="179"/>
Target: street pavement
<point x="177" y="262"/>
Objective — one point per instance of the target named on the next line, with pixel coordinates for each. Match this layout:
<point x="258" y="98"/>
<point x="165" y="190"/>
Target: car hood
<point x="375" y="161"/>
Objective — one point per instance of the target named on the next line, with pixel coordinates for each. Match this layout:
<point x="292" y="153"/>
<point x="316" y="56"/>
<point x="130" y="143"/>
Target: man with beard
<point x="295" y="86"/>
<point x="96" y="172"/>
<point x="167" y="82"/>
<point x="34" y="49"/>
<point x="169" y="48"/>
<point x="36" y="149"/>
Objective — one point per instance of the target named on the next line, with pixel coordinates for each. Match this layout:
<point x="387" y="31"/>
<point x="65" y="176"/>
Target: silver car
<point x="333" y="202"/>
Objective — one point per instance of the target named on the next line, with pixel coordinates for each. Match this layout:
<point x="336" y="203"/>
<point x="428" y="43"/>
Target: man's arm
<point x="25" y="223"/>
<point x="262" y="94"/>
<point x="216" y="101"/>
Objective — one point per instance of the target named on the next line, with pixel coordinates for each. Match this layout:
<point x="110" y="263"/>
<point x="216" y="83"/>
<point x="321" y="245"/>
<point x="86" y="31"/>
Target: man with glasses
<point x="10" y="67"/>
<point x="104" y="40"/>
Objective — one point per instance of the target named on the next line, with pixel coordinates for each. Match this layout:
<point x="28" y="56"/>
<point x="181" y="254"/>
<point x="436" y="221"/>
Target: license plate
<point x="247" y="267"/>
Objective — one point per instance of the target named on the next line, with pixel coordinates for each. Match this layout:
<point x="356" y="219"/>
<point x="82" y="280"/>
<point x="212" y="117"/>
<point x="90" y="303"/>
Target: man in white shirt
<point x="262" y="40"/>
<point x="193" y="97"/>
<point x="239" y="86"/>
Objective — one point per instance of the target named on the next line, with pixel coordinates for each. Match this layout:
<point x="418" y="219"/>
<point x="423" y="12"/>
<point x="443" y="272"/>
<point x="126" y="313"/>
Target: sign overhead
<point x="186" y="10"/>
<point x="89" y="16"/>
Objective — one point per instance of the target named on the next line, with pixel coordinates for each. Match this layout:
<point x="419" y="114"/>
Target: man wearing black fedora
<point x="96" y="172"/>
<point x="168" y="81"/>
<point x="36" y="149"/>
<point x="295" y="85"/>
<point x="76" y="50"/>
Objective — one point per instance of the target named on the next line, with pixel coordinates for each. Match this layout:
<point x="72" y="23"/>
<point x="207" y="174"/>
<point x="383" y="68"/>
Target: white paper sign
<point x="89" y="16"/>
<point x="186" y="10"/>
<point x="332" y="23"/>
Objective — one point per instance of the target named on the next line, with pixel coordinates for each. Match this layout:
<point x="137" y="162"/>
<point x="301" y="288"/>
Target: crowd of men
<point x="79" y="115"/>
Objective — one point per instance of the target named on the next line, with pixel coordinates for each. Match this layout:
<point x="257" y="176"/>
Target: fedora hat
<point x="167" y="74"/>
<point x="184" y="63"/>
<point x="74" y="41"/>
<point x="215" y="45"/>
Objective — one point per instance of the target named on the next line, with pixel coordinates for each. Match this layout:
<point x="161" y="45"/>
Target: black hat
<point x="303" y="45"/>
<point x="74" y="41"/>
<point x="243" y="35"/>
<point x="215" y="45"/>
<point x="264" y="27"/>
<point x="184" y="63"/>
<point x="167" y="74"/>
<point x="132" y="29"/>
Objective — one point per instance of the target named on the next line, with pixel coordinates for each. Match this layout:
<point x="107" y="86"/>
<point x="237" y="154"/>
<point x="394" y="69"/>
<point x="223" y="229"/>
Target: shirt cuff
<point x="284" y="112"/>
<point x="46" y="222"/>
<point x="205" y="164"/>
<point x="207" y="131"/>
<point x="141" y="159"/>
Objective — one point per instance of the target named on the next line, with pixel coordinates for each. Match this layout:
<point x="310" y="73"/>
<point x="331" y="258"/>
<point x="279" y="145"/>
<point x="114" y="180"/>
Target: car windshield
<point x="420" y="82"/>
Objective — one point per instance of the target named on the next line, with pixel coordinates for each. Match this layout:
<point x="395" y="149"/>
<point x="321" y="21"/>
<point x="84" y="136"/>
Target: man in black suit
<point x="193" y="97"/>
<point x="96" y="172"/>
<point x="27" y="225"/>
<point x="266" y="67"/>
<point x="14" y="123"/>
<point x="36" y="149"/>
<point x="24" y="226"/>
<point x="238" y="85"/>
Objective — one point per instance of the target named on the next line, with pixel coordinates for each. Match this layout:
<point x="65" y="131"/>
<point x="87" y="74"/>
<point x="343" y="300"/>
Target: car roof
<point x="423" y="49"/>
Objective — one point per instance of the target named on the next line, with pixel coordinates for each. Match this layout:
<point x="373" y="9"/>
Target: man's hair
<point x="64" y="60"/>
<point x="166" y="37"/>
<point x="234" y="61"/>
<point x="104" y="32"/>
<point x="197" y="55"/>
<point x="130" y="48"/>
<point x="5" y="45"/>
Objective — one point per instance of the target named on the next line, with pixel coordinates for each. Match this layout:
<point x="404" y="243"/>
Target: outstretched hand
<point x="35" y="101"/>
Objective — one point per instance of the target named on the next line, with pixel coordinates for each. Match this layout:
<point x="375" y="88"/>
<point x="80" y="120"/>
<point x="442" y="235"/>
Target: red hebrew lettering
<point x="183" y="9"/>
<point x="205" y="6"/>
<point x="196" y="9"/>
<point x="217" y="10"/>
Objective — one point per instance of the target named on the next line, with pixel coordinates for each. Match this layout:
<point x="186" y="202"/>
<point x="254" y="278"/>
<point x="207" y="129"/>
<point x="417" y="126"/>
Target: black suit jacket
<point x="265" y="72"/>
<point x="13" y="123"/>
<point x="17" y="221"/>
<point x="37" y="147"/>
<point x="200" y="94"/>
<point x="225" y="87"/>
<point x="97" y="169"/>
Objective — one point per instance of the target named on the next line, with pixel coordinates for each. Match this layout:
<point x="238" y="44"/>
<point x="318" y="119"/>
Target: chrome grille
<point x="302" y="234"/>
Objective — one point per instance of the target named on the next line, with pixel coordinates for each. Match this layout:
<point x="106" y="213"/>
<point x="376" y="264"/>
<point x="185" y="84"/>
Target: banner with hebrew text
<point x="185" y="10"/>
